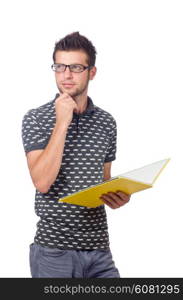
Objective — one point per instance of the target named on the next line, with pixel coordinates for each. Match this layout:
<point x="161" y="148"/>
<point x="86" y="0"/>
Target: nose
<point x="67" y="73"/>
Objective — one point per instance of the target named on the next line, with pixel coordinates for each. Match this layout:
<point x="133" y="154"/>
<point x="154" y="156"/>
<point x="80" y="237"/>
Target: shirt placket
<point x="77" y="123"/>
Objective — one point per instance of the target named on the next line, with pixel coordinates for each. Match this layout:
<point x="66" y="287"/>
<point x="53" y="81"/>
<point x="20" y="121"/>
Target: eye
<point x="60" y="66"/>
<point x="76" y="68"/>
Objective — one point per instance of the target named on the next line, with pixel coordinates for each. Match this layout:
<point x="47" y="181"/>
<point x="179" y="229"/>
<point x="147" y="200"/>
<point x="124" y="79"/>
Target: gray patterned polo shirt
<point x="90" y="142"/>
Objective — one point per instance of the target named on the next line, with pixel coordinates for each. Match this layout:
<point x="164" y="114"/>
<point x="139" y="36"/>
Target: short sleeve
<point x="111" y="150"/>
<point x="33" y="137"/>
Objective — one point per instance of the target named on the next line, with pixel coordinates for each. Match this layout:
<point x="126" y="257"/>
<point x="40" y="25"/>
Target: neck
<point x="81" y="101"/>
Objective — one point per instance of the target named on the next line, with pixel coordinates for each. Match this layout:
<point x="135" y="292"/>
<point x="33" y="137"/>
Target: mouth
<point x="68" y="85"/>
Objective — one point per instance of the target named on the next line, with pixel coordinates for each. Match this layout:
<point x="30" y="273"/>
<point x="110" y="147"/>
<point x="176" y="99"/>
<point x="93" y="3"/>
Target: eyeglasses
<point x="76" y="68"/>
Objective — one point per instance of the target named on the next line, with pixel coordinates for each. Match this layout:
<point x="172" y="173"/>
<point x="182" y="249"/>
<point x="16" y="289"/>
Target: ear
<point x="92" y="73"/>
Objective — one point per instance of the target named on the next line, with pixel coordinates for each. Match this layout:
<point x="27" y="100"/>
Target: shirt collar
<point x="90" y="107"/>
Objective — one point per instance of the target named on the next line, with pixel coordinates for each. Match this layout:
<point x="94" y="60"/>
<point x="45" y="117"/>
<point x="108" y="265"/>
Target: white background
<point x="139" y="81"/>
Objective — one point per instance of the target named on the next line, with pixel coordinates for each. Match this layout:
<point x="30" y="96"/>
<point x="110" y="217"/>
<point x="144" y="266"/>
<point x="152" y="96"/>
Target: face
<point x="78" y="81"/>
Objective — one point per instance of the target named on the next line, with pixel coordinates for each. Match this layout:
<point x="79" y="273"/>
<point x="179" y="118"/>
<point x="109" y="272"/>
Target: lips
<point x="68" y="84"/>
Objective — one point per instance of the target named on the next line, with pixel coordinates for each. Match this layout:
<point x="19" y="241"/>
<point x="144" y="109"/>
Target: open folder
<point x="130" y="182"/>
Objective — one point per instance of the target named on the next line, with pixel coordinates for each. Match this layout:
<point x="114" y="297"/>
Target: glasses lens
<point x="58" y="67"/>
<point x="76" y="68"/>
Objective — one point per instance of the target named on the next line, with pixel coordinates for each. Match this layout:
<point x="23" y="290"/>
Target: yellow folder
<point x="130" y="182"/>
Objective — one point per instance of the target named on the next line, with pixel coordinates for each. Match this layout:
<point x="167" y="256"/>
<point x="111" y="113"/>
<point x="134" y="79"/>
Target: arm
<point x="107" y="170"/>
<point x="44" y="165"/>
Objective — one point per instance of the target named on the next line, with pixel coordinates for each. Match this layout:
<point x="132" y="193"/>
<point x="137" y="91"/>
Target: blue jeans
<point x="52" y="262"/>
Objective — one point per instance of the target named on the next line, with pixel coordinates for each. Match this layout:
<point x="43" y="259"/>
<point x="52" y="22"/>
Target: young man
<point x="69" y="144"/>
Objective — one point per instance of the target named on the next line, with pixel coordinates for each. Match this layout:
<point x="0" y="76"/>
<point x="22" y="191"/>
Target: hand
<point x="115" y="200"/>
<point x="64" y="107"/>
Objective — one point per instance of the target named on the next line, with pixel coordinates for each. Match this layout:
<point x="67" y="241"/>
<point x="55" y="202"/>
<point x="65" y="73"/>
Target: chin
<point x="69" y="92"/>
<point x="72" y="93"/>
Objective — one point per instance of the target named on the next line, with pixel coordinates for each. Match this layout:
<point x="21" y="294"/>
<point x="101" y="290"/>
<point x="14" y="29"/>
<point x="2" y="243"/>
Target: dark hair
<point x="75" y="41"/>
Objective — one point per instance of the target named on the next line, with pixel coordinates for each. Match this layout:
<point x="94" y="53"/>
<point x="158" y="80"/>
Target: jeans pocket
<point x="32" y="258"/>
<point x="31" y="246"/>
<point x="53" y="252"/>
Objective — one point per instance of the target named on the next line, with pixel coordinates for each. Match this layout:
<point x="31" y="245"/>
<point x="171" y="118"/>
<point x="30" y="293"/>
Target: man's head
<point x="77" y="51"/>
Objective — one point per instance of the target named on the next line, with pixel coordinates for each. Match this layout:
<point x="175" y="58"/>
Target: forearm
<point x="47" y="166"/>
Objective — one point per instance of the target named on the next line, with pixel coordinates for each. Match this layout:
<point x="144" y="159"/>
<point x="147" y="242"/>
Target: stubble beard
<point x="77" y="92"/>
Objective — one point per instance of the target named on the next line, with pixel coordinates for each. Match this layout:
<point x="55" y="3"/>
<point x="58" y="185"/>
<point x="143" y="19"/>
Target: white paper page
<point x="146" y="174"/>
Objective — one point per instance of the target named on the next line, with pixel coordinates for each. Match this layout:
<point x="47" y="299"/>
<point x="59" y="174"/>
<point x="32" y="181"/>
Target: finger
<point x="122" y="193"/>
<point x="62" y="97"/>
<point x="124" y="196"/>
<point x="117" y="199"/>
<point x="110" y="202"/>
<point x="113" y="199"/>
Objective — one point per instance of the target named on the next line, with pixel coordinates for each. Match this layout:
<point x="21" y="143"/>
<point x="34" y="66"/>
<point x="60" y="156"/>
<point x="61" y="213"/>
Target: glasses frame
<point x="69" y="66"/>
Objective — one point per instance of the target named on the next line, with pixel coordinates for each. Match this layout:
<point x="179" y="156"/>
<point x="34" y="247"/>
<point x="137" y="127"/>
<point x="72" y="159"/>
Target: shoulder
<point x="44" y="111"/>
<point x="105" y="116"/>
